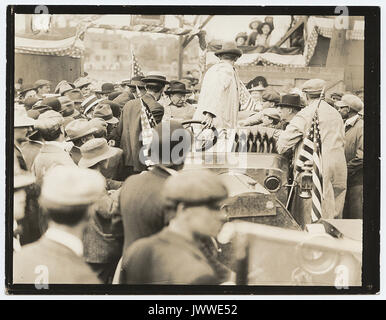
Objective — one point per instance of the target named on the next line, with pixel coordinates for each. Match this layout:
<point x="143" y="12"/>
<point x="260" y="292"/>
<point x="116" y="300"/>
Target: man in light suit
<point x="332" y="137"/>
<point x="57" y="257"/>
<point x="218" y="104"/>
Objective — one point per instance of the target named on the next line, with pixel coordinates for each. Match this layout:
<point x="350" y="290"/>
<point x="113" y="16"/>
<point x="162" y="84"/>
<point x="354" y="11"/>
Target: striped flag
<point x="312" y="151"/>
<point x="135" y="68"/>
<point x="246" y="100"/>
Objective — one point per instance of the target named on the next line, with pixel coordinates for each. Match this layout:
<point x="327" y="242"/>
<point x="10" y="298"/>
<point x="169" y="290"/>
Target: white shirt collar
<point x="67" y="239"/>
<point x="351" y="121"/>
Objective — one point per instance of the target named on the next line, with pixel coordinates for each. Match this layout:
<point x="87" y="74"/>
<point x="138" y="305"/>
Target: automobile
<point x="263" y="242"/>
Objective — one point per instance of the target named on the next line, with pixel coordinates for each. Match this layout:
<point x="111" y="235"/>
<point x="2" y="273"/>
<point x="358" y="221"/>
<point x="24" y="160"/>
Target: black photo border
<point x="371" y="217"/>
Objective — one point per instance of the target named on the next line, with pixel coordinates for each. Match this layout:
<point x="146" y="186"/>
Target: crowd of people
<point x="93" y="202"/>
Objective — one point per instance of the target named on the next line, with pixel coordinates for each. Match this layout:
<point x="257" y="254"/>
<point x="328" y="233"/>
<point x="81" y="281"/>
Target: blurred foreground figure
<point x="57" y="257"/>
<point x="175" y="255"/>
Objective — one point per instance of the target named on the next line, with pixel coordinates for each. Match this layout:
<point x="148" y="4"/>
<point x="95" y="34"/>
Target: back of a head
<point x="171" y="143"/>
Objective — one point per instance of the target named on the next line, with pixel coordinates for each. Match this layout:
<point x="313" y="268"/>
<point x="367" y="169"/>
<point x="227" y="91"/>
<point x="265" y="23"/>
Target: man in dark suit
<point x="140" y="198"/>
<point x="174" y="255"/>
<point x="57" y="257"/>
<point x="129" y="127"/>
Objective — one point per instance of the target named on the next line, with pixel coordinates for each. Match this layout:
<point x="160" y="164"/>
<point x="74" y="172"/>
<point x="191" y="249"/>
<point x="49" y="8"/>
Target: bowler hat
<point x="94" y="151"/>
<point x="230" y="48"/>
<point x="352" y="101"/>
<point x="77" y="129"/>
<point x="68" y="186"/>
<point x="104" y="111"/>
<point x="155" y="77"/>
<point x="22" y="119"/>
<point x="177" y="87"/>
<point x="106" y="88"/>
<point x="290" y="100"/>
<point x="314" y="86"/>
<point x="194" y="187"/>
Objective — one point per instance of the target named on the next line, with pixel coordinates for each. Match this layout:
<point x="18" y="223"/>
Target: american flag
<point x="135" y="68"/>
<point x="312" y="151"/>
<point x="246" y="100"/>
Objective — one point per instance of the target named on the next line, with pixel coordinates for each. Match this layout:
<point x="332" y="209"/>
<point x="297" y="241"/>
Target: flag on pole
<point x="312" y="151"/>
<point x="135" y="68"/>
<point x="246" y="100"/>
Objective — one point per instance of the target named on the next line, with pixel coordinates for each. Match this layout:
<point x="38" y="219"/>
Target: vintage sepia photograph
<point x="165" y="150"/>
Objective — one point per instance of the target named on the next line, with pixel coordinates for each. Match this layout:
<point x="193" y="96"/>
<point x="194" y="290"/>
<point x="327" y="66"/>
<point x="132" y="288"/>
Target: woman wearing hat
<point x="218" y="104"/>
<point x="241" y="39"/>
<point x="262" y="39"/>
<point x="254" y="25"/>
<point x="178" y="108"/>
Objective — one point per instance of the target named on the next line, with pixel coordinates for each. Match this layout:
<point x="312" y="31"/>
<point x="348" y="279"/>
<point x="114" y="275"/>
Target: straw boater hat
<point x="258" y="88"/>
<point x="106" y="88"/>
<point x="177" y="87"/>
<point x="90" y="102"/>
<point x="229" y="47"/>
<point x="94" y="151"/>
<point x="155" y="77"/>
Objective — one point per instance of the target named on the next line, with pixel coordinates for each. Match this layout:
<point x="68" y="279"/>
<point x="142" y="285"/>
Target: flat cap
<point x="313" y="86"/>
<point x="78" y="128"/>
<point x="194" y="187"/>
<point x="272" y="113"/>
<point x="271" y="96"/>
<point x="49" y="121"/>
<point x="352" y="101"/>
<point x="29" y="102"/>
<point x="52" y="102"/>
<point x="66" y="186"/>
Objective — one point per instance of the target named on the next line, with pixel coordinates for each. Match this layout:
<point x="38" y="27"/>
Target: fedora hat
<point x="77" y="129"/>
<point x="229" y="47"/>
<point x="94" y="151"/>
<point x="104" y="111"/>
<point x="81" y="82"/>
<point x="137" y="82"/>
<point x="177" y="87"/>
<point x="106" y="88"/>
<point x="155" y="77"/>
<point x="22" y="119"/>
<point x="67" y="186"/>
<point x="290" y="100"/>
